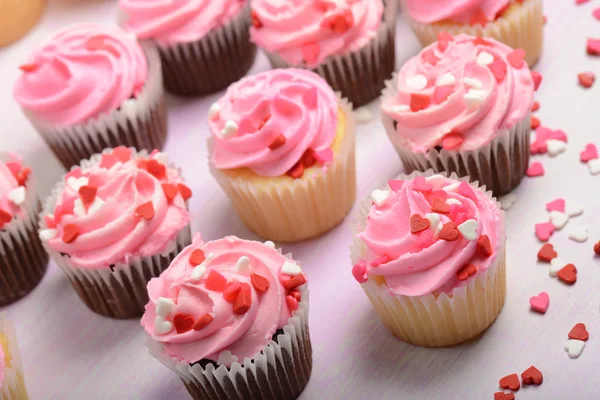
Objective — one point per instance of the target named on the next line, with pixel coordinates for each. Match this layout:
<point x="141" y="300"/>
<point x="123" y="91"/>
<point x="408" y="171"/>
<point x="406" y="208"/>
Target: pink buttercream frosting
<point x="82" y="72"/>
<point x="448" y="75"/>
<point x="306" y="32"/>
<point x="416" y="264"/>
<point x="296" y="104"/>
<point x="461" y="11"/>
<point x="244" y="335"/>
<point x="177" y="21"/>
<point x="110" y="227"/>
<point x="13" y="174"/>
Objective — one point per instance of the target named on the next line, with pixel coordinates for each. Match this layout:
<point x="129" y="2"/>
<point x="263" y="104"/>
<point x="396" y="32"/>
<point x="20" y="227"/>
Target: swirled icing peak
<point x="80" y="73"/>
<point x="459" y="93"/>
<point x="274" y="122"/>
<point x="13" y="191"/>
<point x="126" y="205"/>
<point x="177" y="21"/>
<point x="461" y="11"/>
<point x="222" y="300"/>
<point x="306" y="32"/>
<point x="429" y="235"/>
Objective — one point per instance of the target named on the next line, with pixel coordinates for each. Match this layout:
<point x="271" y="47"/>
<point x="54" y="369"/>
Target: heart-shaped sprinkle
<point x="555" y="147"/>
<point x="395" y="185"/>
<point x="145" y="211"/>
<point x="593" y="46"/>
<point x="465" y="272"/>
<point x="452" y="141"/>
<point x="537" y="79"/>
<point x="290" y="268"/>
<point x="380" y="197"/>
<point x="579" y="332"/>
<point x="597" y="248"/>
<point x="556" y="205"/>
<point x="535" y="169"/>
<point x="556" y="265"/>
<point x="465" y="189"/>
<point x="434" y="221"/>
<point x="87" y="194"/>
<point x="574" y="348"/>
<point x="472" y="82"/>
<point x="213" y="112"/>
<point x="484" y="246"/>
<point x="260" y="283"/>
<point x="243" y="266"/>
<point x="161" y="326"/>
<point x="164" y="307"/>
<point x="29" y="67"/>
<point x="478" y="18"/>
<point x="226" y="358"/>
<point x="202" y="322"/>
<point x="197" y="257"/>
<point x="568" y="274"/>
<point x="474" y="98"/>
<point x="230" y="130"/>
<point x="291" y="302"/>
<point x="185" y="191"/>
<point x="498" y="69"/>
<point x="123" y="154"/>
<point x="448" y="79"/>
<point x="547" y="253"/>
<point x="243" y="301"/>
<point x="295" y="282"/>
<point x="420" y="184"/>
<point x="449" y="232"/>
<point x="76" y="183"/>
<point x="231" y="291"/>
<point x="297" y="170"/>
<point x="484" y="58"/>
<point x="439" y="205"/>
<point x="418" y="224"/>
<point x="215" y="281"/>
<point x="359" y="271"/>
<point x="183" y="323"/>
<point x="157" y="169"/>
<point x="430" y="57"/>
<point x="538" y="147"/>
<point x="510" y="382"/>
<point x="417" y="82"/>
<point x="479" y="41"/>
<point x="45" y="234"/>
<point x="468" y="229"/>
<point x="310" y="52"/>
<point x="277" y="142"/>
<point x="170" y="191"/>
<point x="589" y="153"/>
<point x="535" y="106"/>
<point x="594" y="166"/>
<point x="419" y="102"/>
<point x="507" y="201"/>
<point x="441" y="93"/>
<point x="558" y="219"/>
<point x="535" y="122"/>
<point x="540" y="302"/>
<point x="70" y="233"/>
<point x="579" y="234"/>
<point x="544" y="230"/>
<point x="573" y="209"/>
<point x="17" y="195"/>
<point x="532" y="376"/>
<point x="437" y="181"/>
<point x="255" y="20"/>
<point x="516" y="58"/>
<point x="504" y="396"/>
<point x="586" y="79"/>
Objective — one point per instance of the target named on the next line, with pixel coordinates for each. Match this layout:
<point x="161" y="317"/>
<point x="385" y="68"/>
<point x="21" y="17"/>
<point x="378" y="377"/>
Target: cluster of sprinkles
<point x="560" y="213"/>
<point x="531" y="376"/>
<point x="17" y="195"/>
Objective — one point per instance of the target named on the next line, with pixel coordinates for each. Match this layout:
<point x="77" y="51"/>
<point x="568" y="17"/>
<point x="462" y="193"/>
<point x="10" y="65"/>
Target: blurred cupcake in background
<point x="204" y="45"/>
<point x="12" y="383"/>
<point x="17" y="18"/>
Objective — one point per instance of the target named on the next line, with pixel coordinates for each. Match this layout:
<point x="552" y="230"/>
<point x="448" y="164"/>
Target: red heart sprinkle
<point x="292" y="303"/>
<point x="215" y="281"/>
<point x="202" y="322"/>
<point x="439" y="205"/>
<point x="579" y="332"/>
<point x="418" y="224"/>
<point x="183" y="323"/>
<point x="452" y="141"/>
<point x="294" y="282"/>
<point x="510" y="382"/>
<point x="277" y="142"/>
<point x="535" y="169"/>
<point x="590" y="153"/>
<point x="309" y="159"/>
<point x="231" y="291"/>
<point x="449" y="232"/>
<point x="255" y="20"/>
<point x="441" y="93"/>
<point x="537" y="79"/>
<point x="535" y="106"/>
<point x="568" y="274"/>
<point x="145" y="211"/>
<point x="310" y="52"/>
<point x="29" y="67"/>
<point x="597" y="249"/>
<point x="296" y="294"/>
<point x="297" y="170"/>
<point x="535" y="122"/>
<point x="478" y="17"/>
<point x="544" y="230"/>
<point x="157" y="169"/>
<point x="593" y="46"/>
<point x="547" y="253"/>
<point x="532" y="376"/>
<point x="4" y="218"/>
<point x="70" y="233"/>
<point x="504" y="396"/>
<point x="22" y="176"/>
<point x="418" y="102"/>
<point x="498" y="69"/>
<point x="170" y="191"/>
<point x="586" y="79"/>
<point x="465" y="272"/>
<point x="197" y="257"/>
<point x="420" y="184"/>
<point x="516" y="58"/>
<point x="243" y="301"/>
<point x="122" y="153"/>
<point x="260" y="283"/>
<point x="50" y="222"/>
<point x="87" y="194"/>
<point x="185" y="191"/>
<point x="14" y="167"/>
<point x="442" y="44"/>
<point x="484" y="246"/>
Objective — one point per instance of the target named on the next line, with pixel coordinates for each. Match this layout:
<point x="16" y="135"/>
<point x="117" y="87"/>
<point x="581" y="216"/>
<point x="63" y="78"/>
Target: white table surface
<point x="71" y="353"/>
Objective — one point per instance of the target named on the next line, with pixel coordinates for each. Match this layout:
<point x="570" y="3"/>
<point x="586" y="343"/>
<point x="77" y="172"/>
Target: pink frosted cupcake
<point x="115" y="222"/>
<point x="91" y="87"/>
<point x="463" y="105"/>
<point x="204" y="45"/>
<point x="430" y="255"/>
<point x="349" y="43"/>
<point x="23" y="260"/>
<point x="12" y="383"/>
<point x="230" y="317"/>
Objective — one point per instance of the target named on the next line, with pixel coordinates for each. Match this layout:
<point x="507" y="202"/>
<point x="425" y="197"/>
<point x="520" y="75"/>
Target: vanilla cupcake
<point x="230" y="317"/>
<point x="12" y="383"/>
<point x="430" y="254"/>
<point x="115" y="222"/>
<point x="516" y="23"/>
<point x="17" y="18"/>
<point x="282" y="148"/>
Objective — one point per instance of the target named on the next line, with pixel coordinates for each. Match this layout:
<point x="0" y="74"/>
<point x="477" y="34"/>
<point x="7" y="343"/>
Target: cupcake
<point x="282" y="148"/>
<point x="17" y="18"/>
<point x="23" y="260"/>
<point x="90" y="87"/>
<point x="349" y="43"/>
<point x="430" y="255"/>
<point x="204" y="45"/>
<point x="516" y="23"/>
<point x="114" y="223"/>
<point x="12" y="384"/>
<point x="230" y="317"/>
<point x="463" y="105"/>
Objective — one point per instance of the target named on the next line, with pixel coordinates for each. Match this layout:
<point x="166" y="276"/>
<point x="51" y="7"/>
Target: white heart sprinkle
<point x="485" y="58"/>
<point x="47" y="234"/>
<point x="507" y="201"/>
<point x="162" y="158"/>
<point x="594" y="166"/>
<point x="558" y="219"/>
<point x="556" y="265"/>
<point x="579" y="234"/>
<point x="226" y="358"/>
<point x="446" y="80"/>
<point x="243" y="265"/>
<point x="79" y="208"/>
<point x="213" y="111"/>
<point x="436" y="181"/>
<point x="76" y="183"/>
<point x="555" y="147"/>
<point x="474" y="83"/>
<point x="453" y="187"/>
<point x="129" y="107"/>
<point x="473" y="98"/>
<point x="452" y="200"/>
<point x="363" y="115"/>
<point x="199" y="270"/>
<point x="573" y="209"/>
<point x="164" y="307"/>
<point x="417" y="82"/>
<point x="291" y="268"/>
<point x="230" y="130"/>
<point x="574" y="347"/>
<point x="162" y="327"/>
<point x="270" y="244"/>
<point x="380" y="196"/>
<point x="231" y="239"/>
<point x="468" y="229"/>
<point x="434" y="220"/>
<point x="400" y="109"/>
<point x="96" y="205"/>
<point x="17" y="195"/>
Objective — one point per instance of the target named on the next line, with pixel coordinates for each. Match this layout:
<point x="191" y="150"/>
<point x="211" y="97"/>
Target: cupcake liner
<point x="520" y="28"/>
<point x="280" y="371"/>
<point x="13" y="387"/>
<point x="297" y="209"/>
<point x="140" y="122"/>
<point x="118" y="291"/>
<point x="18" y="18"/>
<point x="438" y="319"/>
<point x="23" y="260"/>
<point x="499" y="166"/>
<point x="359" y="75"/>
<point x="212" y="63"/>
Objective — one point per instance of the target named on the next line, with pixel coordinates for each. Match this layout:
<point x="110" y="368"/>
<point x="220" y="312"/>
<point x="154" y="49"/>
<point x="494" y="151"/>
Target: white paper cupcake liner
<point x="359" y="75"/>
<point x="499" y="166"/>
<point x="13" y="387"/>
<point x="437" y="319"/>
<point x="140" y="122"/>
<point x="297" y="209"/>
<point x="118" y="291"/>
<point x="280" y="371"/>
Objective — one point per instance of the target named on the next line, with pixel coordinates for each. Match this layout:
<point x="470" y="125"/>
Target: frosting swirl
<point x="307" y="32"/>
<point x="13" y="192"/>
<point x="169" y="21"/>
<point x="424" y="234"/>
<point x="194" y="308"/>
<point x="267" y="122"/>
<point x="80" y="73"/>
<point x="126" y="205"/>
<point x="461" y="11"/>
<point x="459" y="93"/>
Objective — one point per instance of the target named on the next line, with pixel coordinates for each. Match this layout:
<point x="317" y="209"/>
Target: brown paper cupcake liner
<point x="13" y="387"/>
<point x="140" y="122"/>
<point x="359" y="76"/>
<point x="212" y="63"/>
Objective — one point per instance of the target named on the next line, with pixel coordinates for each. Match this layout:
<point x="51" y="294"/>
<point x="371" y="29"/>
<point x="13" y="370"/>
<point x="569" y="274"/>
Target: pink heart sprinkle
<point x="540" y="302"/>
<point x="456" y="209"/>
<point x="590" y="153"/>
<point x="558" y="135"/>
<point x="429" y="57"/>
<point x="516" y="58"/>
<point x="537" y="79"/>
<point x="324" y="156"/>
<point x="359" y="271"/>
<point x="421" y="185"/>
<point x="593" y="46"/>
<point x="395" y="184"/>
<point x="310" y="97"/>
<point x="556" y="205"/>
<point x="544" y="230"/>
<point x="465" y="189"/>
<point x="441" y="93"/>
<point x="539" y="147"/>
<point x="535" y="169"/>
<point x="596" y="13"/>
<point x="310" y="52"/>
<point x="581" y="1"/>
<point x="498" y="69"/>
<point x="460" y="218"/>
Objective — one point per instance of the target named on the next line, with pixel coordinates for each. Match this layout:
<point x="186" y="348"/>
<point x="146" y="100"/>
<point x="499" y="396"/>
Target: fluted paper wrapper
<point x="118" y="291"/>
<point x="438" y="319"/>
<point x="280" y="371"/>
<point x="212" y="63"/>
<point x="140" y="122"/>
<point x="13" y="387"/>
<point x="360" y="75"/>
<point x="520" y="28"/>
<point x="23" y="260"/>
<point x="499" y="166"/>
